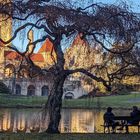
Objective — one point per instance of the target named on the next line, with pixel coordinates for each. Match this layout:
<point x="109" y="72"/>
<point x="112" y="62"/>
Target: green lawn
<point x="119" y="101"/>
<point x="9" y="100"/>
<point x="70" y="137"/>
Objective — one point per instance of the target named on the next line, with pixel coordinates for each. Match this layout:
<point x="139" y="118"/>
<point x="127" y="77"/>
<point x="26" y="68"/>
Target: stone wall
<point x="25" y="84"/>
<point x="35" y="87"/>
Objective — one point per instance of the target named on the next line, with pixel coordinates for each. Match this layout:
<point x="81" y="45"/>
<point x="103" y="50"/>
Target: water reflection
<point x="20" y="120"/>
<point x="72" y="120"/>
<point x="80" y="121"/>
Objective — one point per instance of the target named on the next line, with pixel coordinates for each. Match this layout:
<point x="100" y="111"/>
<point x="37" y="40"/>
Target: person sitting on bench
<point x="108" y="119"/>
<point x="134" y="115"/>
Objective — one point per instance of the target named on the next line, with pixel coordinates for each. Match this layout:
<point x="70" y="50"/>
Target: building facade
<point x="21" y="84"/>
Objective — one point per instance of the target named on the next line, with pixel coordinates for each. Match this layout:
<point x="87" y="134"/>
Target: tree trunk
<point x="55" y="104"/>
<point x="14" y="84"/>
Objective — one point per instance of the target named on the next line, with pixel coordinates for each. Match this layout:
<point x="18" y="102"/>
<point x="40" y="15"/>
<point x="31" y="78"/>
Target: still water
<point x="72" y="120"/>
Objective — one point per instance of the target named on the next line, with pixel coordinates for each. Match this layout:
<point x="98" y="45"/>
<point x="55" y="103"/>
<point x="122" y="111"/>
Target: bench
<point x="109" y="127"/>
<point x="122" y="122"/>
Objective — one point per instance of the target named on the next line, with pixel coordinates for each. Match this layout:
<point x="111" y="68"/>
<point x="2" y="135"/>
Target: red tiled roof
<point x="37" y="58"/>
<point x="79" y="41"/>
<point x="12" y="55"/>
<point x="46" y="47"/>
<point x="6" y="53"/>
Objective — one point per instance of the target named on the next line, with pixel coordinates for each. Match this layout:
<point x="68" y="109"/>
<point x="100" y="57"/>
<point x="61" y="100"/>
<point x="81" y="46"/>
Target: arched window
<point x="69" y="95"/>
<point x="31" y="90"/>
<point x="45" y="91"/>
<point x="9" y="71"/>
<point x="18" y="89"/>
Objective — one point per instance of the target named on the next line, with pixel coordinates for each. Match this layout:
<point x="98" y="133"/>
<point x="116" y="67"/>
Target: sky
<point x="134" y="6"/>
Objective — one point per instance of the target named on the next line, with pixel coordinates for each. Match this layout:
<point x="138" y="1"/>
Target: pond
<point x="72" y="120"/>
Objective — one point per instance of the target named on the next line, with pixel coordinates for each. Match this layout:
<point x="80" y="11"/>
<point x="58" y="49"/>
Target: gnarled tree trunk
<point x="55" y="104"/>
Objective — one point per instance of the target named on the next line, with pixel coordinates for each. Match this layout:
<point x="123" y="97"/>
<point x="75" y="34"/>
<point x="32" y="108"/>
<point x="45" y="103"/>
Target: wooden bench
<point x="122" y="122"/>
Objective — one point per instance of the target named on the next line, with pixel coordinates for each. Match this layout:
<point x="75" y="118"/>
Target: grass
<point x="119" y="101"/>
<point x="69" y="136"/>
<point x="13" y="100"/>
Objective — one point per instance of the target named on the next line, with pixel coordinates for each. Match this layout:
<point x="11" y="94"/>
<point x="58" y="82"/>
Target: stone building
<point x="21" y="84"/>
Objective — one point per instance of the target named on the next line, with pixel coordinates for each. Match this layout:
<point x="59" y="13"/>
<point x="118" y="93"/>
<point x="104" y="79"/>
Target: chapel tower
<point x="5" y="34"/>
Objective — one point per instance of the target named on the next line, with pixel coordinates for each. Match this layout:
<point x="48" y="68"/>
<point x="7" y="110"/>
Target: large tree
<point x="104" y="24"/>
